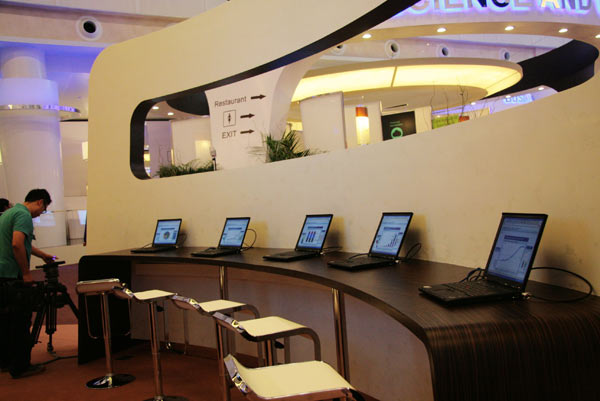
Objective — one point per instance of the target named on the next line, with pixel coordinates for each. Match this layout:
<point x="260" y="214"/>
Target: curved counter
<point x="511" y="350"/>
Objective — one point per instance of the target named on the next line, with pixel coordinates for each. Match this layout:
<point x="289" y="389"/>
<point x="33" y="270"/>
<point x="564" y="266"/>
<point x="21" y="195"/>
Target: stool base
<point x="110" y="381"/>
<point x="168" y="398"/>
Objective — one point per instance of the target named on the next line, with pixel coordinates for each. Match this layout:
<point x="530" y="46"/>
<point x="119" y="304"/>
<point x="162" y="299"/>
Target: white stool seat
<point x="312" y="380"/>
<point x="219" y="305"/>
<point x="91" y="287"/>
<point x="266" y="326"/>
<point x="152" y="295"/>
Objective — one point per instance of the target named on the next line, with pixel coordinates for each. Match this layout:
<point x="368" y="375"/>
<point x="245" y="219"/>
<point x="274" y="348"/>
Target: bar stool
<point x="103" y="288"/>
<point x="269" y="330"/>
<point x="151" y="298"/>
<point x="309" y="381"/>
<point x="223" y="306"/>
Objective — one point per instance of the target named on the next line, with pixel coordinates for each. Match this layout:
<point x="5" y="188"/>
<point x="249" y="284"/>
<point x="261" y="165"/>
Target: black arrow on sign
<point x="259" y="97"/>
<point x="246" y="132"/>
<point x="247" y="115"/>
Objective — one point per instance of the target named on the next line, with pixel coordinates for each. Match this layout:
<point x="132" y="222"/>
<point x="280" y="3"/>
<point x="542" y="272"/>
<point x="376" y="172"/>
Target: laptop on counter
<point x="232" y="238"/>
<point x="385" y="247"/>
<point x="311" y="240"/>
<point x="508" y="266"/>
<point x="165" y="236"/>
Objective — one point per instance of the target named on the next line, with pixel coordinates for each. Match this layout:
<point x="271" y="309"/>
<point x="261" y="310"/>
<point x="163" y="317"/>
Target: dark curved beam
<point x="562" y="68"/>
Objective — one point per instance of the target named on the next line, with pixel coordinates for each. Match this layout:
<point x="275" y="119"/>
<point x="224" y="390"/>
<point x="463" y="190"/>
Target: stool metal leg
<point x="111" y="379"/>
<point x="223" y="378"/>
<point x="339" y="316"/>
<point x="186" y="332"/>
<point x="154" y="344"/>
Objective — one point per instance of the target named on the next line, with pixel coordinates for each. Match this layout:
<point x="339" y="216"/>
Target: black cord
<point x="565" y="300"/>
<point x="473" y="275"/>
<point x="148" y="245"/>
<point x="357" y="255"/>
<point x="181" y="239"/>
<point x="408" y="256"/>
<point x="252" y="244"/>
<point x="330" y="249"/>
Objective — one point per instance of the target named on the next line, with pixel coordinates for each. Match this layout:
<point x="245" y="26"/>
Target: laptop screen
<point x="390" y="234"/>
<point x="167" y="232"/>
<point x="234" y="232"/>
<point x="515" y="246"/>
<point x="314" y="232"/>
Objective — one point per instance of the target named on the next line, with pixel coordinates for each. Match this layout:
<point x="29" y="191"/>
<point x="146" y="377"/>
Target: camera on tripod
<point x="49" y="296"/>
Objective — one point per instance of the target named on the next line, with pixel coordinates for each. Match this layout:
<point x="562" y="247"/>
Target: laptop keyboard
<point x="478" y="288"/>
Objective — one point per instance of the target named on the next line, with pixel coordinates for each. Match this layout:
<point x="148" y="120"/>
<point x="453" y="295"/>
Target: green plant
<point x="191" y="167"/>
<point x="284" y="148"/>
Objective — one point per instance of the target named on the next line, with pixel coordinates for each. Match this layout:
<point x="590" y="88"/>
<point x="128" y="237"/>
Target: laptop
<point x="385" y="246"/>
<point x="232" y="238"/>
<point x="508" y="266"/>
<point x="165" y="237"/>
<point x="311" y="240"/>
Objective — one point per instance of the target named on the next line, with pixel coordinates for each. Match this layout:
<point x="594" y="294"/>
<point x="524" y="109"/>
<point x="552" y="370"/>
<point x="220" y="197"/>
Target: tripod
<point x="52" y="296"/>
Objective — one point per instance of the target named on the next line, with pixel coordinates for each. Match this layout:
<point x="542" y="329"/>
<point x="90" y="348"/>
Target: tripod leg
<point x="37" y="326"/>
<point x="51" y="323"/>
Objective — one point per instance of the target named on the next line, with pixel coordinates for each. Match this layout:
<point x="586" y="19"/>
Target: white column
<point x="30" y="137"/>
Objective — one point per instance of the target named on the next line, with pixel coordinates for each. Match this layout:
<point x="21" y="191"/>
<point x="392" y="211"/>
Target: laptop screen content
<point x="514" y="248"/>
<point x="166" y="232"/>
<point x="314" y="231"/>
<point x="234" y="232"/>
<point x="390" y="234"/>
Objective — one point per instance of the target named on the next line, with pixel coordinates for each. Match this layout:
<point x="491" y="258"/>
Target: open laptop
<point x="232" y="238"/>
<point x="311" y="240"/>
<point x="165" y="236"/>
<point x="385" y="247"/>
<point x="508" y="266"/>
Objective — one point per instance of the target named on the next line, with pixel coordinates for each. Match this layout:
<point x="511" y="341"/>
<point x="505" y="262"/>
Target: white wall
<point x="323" y="122"/>
<point x="75" y="169"/>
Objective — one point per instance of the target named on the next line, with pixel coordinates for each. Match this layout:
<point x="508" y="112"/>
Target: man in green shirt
<point x="16" y="234"/>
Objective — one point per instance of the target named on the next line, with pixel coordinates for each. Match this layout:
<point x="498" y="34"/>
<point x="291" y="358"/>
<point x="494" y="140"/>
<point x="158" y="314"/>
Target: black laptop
<point x="165" y="236"/>
<point x="232" y="238"/>
<point x="508" y="266"/>
<point x="311" y="240"/>
<point x="385" y="247"/>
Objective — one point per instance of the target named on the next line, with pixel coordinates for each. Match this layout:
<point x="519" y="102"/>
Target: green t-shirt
<point x="17" y="218"/>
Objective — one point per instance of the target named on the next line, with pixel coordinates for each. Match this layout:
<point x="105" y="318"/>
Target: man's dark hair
<point x="4" y="203"/>
<point x="37" y="194"/>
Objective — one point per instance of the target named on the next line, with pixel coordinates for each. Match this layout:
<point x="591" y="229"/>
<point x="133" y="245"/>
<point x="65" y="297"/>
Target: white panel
<point x="323" y="122"/>
<point x="189" y="139"/>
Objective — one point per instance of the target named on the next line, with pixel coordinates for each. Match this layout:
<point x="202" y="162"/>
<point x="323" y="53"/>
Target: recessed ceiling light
<point x="473" y="103"/>
<point x="441" y="29"/>
<point x="563" y="30"/>
<point x="507" y="96"/>
<point x="541" y="88"/>
<point x="367" y="36"/>
<point x="170" y="113"/>
<point x="155" y="107"/>
<point x="509" y="28"/>
<point x="598" y="36"/>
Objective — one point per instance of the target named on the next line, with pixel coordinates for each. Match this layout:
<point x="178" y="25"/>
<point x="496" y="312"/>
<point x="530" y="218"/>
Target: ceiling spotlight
<point x="507" y="96"/>
<point x="473" y="103"/>
<point x="170" y="113"/>
<point x="509" y="28"/>
<point x="155" y="107"/>
<point x="541" y="88"/>
<point x="563" y="30"/>
<point x="367" y="36"/>
<point x="598" y="36"/>
<point x="441" y="29"/>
